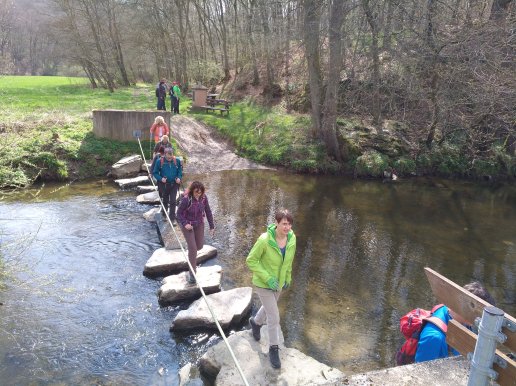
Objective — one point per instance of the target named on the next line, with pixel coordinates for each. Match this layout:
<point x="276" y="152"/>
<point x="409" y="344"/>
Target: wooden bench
<point x="471" y="307"/>
<point x="212" y="108"/>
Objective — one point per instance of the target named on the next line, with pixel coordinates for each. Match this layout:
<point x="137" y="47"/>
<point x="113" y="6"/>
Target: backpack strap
<point x="436" y="307"/>
<point x="437" y="322"/>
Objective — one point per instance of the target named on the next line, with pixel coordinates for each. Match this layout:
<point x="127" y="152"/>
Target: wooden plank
<point x="464" y="303"/>
<point x="464" y="341"/>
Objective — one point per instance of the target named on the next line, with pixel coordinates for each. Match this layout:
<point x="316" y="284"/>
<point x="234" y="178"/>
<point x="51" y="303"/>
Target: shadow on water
<point x="80" y="310"/>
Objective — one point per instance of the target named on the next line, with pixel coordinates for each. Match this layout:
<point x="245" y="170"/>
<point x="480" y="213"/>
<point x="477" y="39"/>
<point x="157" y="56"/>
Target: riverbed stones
<point x="175" y="288"/>
<point x="296" y="368"/>
<point x="148" y="198"/>
<point x="230" y="307"/>
<point x="127" y="166"/>
<point x="165" y="261"/>
<point x="126" y="183"/>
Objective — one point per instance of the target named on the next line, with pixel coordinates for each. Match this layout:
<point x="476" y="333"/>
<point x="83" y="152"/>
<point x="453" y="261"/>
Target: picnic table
<point x="213" y="104"/>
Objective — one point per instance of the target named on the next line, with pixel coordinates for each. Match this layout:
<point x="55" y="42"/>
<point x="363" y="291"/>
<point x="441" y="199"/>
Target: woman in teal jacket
<point x="270" y="260"/>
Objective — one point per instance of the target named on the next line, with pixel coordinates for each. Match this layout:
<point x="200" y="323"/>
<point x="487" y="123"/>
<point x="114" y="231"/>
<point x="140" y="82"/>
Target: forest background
<point x="419" y="86"/>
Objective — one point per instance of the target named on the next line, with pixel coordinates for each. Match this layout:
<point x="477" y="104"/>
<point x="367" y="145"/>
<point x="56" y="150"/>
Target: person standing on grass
<point x="168" y="172"/>
<point x="194" y="206"/>
<point x="161" y="94"/>
<point x="175" y="95"/>
<point x="270" y="261"/>
<point x="159" y="128"/>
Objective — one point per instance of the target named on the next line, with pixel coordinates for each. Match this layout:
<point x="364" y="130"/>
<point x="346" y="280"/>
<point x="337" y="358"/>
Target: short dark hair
<point x="283" y="213"/>
<point x="479" y="290"/>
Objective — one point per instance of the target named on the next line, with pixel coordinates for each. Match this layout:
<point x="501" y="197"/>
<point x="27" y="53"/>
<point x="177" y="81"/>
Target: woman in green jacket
<point x="270" y="260"/>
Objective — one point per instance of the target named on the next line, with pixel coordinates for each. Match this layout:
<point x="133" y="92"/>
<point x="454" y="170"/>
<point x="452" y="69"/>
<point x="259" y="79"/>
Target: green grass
<point x="269" y="136"/>
<point x="46" y="128"/>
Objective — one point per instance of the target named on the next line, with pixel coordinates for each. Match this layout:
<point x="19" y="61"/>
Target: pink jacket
<point x="158" y="131"/>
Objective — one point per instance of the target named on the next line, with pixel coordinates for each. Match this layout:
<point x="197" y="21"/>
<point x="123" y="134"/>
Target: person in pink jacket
<point x="159" y="128"/>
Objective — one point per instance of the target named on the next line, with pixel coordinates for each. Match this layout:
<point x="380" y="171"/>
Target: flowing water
<point x="76" y="308"/>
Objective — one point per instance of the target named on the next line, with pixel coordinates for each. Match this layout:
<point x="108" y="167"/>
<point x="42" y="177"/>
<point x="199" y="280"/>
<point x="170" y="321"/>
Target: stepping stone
<point x="144" y="169"/>
<point x="150" y="214"/>
<point x="146" y="188"/>
<point x="127" y="166"/>
<point x="176" y="288"/>
<point x="126" y="183"/>
<point x="165" y="261"/>
<point x="217" y="366"/>
<point x="230" y="307"/>
<point x="169" y="238"/>
<point x="148" y="198"/>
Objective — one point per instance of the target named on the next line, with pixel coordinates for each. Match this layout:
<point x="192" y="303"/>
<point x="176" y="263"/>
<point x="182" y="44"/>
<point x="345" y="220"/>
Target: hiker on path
<point x="192" y="209"/>
<point x="168" y="172"/>
<point x="175" y="94"/>
<point x="270" y="260"/>
<point x="161" y="94"/>
<point x="432" y="340"/>
<point x="159" y="128"/>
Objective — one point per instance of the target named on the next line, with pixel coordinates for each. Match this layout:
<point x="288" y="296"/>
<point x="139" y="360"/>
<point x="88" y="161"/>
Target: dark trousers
<point x="175" y="105"/>
<point x="195" y="241"/>
<point x="161" y="104"/>
<point x="168" y="193"/>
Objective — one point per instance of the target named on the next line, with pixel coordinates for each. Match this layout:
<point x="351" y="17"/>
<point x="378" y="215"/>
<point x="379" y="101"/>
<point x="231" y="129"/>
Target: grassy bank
<point x="46" y="134"/>
<point x="46" y="128"/>
<point x="271" y="137"/>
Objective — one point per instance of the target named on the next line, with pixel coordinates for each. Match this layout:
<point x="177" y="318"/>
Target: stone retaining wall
<point x="120" y="124"/>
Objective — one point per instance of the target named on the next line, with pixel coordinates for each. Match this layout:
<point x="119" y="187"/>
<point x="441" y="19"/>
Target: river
<point x="77" y="310"/>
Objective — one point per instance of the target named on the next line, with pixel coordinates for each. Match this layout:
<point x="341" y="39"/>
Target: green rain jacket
<point x="266" y="261"/>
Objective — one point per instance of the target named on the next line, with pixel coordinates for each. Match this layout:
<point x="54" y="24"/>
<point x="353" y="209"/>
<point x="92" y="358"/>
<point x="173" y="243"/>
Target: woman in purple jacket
<point x="193" y="208"/>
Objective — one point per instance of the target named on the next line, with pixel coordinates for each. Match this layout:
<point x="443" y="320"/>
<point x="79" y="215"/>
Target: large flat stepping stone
<point x="230" y="307"/>
<point x="148" y="198"/>
<point x="176" y="288"/>
<point x="165" y="261"/>
<point x="296" y="368"/>
<point x="127" y="166"/>
<point x="126" y="183"/>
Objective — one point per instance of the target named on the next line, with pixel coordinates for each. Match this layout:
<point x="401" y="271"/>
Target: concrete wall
<point x="119" y="124"/>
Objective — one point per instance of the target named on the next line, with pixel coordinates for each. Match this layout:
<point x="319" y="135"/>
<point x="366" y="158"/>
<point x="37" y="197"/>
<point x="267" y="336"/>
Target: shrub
<point x="405" y="166"/>
<point x="371" y="164"/>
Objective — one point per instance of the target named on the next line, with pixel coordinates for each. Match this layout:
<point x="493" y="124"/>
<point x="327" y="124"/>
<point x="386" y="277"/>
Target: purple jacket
<point x="192" y="211"/>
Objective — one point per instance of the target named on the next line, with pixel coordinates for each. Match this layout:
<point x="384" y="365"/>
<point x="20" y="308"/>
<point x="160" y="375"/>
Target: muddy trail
<point x="204" y="151"/>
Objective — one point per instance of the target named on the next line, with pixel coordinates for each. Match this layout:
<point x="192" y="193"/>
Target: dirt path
<point x="205" y="152"/>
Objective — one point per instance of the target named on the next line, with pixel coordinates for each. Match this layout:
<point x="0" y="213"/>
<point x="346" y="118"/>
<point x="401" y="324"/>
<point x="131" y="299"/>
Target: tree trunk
<point x="115" y="38"/>
<point x="312" y="21"/>
<point x="328" y="129"/>
<point x="371" y="20"/>
<point x="433" y="70"/>
<point x="250" y="13"/>
<point x="499" y="9"/>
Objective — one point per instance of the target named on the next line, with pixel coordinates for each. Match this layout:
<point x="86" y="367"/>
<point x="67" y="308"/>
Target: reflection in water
<point x="87" y="314"/>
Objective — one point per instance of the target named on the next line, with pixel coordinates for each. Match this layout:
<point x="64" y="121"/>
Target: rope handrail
<point x="237" y="364"/>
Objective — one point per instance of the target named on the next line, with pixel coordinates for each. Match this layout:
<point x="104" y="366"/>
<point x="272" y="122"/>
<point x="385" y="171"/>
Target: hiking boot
<point x="274" y="356"/>
<point x="255" y="329"/>
<point x="191" y="278"/>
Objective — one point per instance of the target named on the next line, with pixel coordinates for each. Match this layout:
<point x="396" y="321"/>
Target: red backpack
<point x="411" y="325"/>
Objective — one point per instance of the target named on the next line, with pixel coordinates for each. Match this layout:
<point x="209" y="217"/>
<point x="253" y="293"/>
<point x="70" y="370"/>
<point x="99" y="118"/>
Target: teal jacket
<point x="266" y="261"/>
